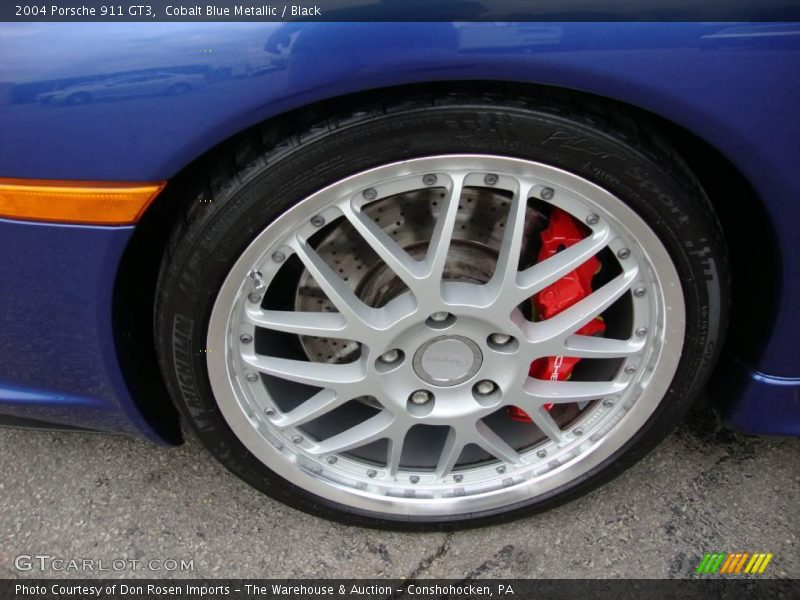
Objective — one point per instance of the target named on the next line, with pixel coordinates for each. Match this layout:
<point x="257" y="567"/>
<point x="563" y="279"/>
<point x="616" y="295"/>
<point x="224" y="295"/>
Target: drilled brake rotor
<point x="410" y="219"/>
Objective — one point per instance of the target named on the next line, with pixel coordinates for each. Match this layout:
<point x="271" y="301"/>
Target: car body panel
<point x="764" y="404"/>
<point x="123" y="87"/>
<point x="59" y="356"/>
<point x="733" y="85"/>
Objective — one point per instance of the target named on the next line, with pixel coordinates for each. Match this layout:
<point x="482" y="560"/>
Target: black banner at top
<point x="399" y="10"/>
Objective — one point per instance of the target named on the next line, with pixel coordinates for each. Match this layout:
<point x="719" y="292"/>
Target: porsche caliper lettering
<point x="561" y="232"/>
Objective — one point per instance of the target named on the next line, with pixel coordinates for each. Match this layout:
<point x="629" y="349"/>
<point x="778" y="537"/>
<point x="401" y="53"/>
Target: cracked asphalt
<point x="72" y="495"/>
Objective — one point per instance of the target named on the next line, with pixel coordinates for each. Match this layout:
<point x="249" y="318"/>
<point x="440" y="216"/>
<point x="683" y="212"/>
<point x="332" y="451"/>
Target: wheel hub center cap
<point x="447" y="360"/>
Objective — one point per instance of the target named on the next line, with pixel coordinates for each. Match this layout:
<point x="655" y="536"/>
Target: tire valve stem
<point x="258" y="283"/>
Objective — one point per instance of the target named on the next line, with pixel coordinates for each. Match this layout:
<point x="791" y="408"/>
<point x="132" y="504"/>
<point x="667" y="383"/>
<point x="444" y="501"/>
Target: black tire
<point x="252" y="183"/>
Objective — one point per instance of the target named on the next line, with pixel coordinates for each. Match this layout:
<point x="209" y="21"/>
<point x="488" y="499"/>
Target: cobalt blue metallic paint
<point x="764" y="404"/>
<point x="58" y="361"/>
<point x="108" y="100"/>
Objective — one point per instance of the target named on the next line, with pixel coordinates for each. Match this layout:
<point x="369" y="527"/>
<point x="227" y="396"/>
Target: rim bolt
<point x="278" y="256"/>
<point x="541" y="453"/>
<point x="501" y="339"/>
<point x="317" y="221"/>
<point x="490" y="179"/>
<point x="392" y="356"/>
<point x="457" y="478"/>
<point x="371" y="473"/>
<point x="592" y="219"/>
<point x="639" y="292"/>
<point x="484" y="387"/>
<point x="429" y="179"/>
<point x="269" y="412"/>
<point x="641" y="332"/>
<point x="331" y="460"/>
<point x="440" y="316"/>
<point x="501" y="469"/>
<point x="251" y="377"/>
<point x="608" y="403"/>
<point x="370" y="193"/>
<point x="254" y="297"/>
<point x="630" y="370"/>
<point x="547" y="193"/>
<point x="624" y="253"/>
<point x="420" y="397"/>
<point x="297" y="439"/>
<point x="245" y="338"/>
<point x="414" y="478"/>
<point x="579" y="432"/>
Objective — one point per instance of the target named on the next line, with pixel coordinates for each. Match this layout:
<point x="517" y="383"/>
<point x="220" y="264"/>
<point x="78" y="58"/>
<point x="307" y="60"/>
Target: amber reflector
<point x="89" y="202"/>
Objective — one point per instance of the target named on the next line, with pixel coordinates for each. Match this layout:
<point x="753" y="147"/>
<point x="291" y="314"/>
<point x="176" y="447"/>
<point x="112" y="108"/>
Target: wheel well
<point x="752" y="246"/>
<point x="755" y="265"/>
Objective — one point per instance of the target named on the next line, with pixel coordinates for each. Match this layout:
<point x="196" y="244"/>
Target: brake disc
<point x="409" y="219"/>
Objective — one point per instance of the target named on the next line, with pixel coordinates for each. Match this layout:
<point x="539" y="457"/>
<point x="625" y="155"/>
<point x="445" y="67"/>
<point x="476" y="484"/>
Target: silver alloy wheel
<point x="453" y="359"/>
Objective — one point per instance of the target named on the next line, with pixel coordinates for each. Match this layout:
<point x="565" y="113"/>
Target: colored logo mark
<point x="733" y="564"/>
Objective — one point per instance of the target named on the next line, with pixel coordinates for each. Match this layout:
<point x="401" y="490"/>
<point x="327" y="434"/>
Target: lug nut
<point x="392" y="356"/>
<point x="485" y="387"/>
<point x="490" y="179"/>
<point x="547" y="193"/>
<point x="370" y="193"/>
<point x="440" y="316"/>
<point x="317" y="221"/>
<point x="500" y="339"/>
<point x="592" y="219"/>
<point x="420" y="397"/>
<point x="429" y="179"/>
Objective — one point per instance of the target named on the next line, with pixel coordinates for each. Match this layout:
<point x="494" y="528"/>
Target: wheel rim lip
<point x="239" y="415"/>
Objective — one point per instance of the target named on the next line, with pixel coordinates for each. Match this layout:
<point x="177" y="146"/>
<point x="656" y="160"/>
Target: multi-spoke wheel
<point x="391" y="322"/>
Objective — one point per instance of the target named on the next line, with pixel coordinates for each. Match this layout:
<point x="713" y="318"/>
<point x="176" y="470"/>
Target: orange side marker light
<point x="86" y="202"/>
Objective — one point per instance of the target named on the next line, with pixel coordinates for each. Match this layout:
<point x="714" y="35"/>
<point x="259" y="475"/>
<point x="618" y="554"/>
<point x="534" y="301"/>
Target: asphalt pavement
<point x="76" y="497"/>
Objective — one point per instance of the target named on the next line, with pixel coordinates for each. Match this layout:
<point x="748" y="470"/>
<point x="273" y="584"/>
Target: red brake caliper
<point x="562" y="231"/>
